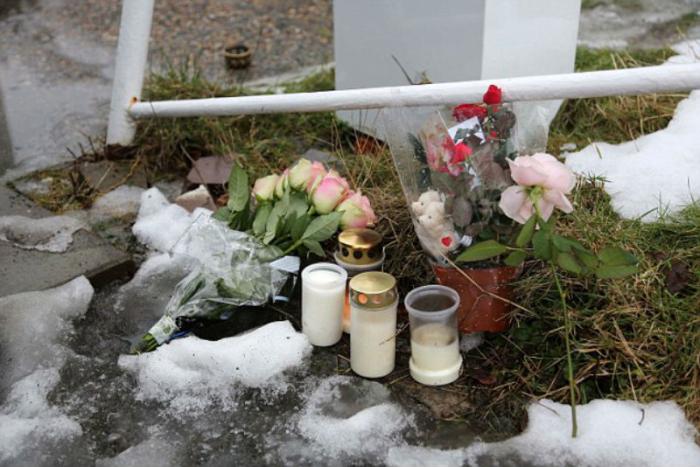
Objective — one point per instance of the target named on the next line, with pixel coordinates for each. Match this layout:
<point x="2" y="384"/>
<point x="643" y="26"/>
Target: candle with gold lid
<point x="373" y="302"/>
<point x="359" y="250"/>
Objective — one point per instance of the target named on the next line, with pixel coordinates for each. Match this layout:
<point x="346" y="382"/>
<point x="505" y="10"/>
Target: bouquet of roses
<point x="244" y="261"/>
<point x="453" y="172"/>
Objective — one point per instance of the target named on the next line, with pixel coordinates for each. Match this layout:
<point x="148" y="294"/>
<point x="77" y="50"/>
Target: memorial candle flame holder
<point x="435" y="358"/>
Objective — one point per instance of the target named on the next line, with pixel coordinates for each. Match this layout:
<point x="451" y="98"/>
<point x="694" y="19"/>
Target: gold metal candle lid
<point x="373" y="289"/>
<point x="359" y="246"/>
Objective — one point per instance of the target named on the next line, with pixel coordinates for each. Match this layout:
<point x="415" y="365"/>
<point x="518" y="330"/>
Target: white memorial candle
<point x="373" y="301"/>
<point x="322" y="300"/>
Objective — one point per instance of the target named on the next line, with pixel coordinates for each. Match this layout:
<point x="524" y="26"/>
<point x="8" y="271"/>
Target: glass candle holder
<point x="373" y="303"/>
<point x="435" y="358"/>
<point x="322" y="301"/>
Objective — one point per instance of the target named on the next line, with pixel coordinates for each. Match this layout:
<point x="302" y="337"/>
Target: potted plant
<point x="453" y="169"/>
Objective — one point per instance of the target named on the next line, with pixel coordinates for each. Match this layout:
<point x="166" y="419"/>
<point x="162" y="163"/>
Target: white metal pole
<point x="130" y="67"/>
<point x="656" y="79"/>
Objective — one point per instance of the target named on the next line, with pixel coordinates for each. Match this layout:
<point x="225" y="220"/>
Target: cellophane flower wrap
<point x="454" y="165"/>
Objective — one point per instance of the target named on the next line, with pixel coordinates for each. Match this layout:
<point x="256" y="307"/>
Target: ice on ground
<point x="153" y="452"/>
<point x="352" y="416"/>
<point x="33" y="329"/>
<point x="190" y="374"/>
<point x="657" y="173"/>
<point x="54" y="234"/>
<point x="610" y="434"/>
<point x="160" y="224"/>
<point x="34" y="326"/>
<point x="120" y="202"/>
<point x="27" y="419"/>
<point x="416" y="456"/>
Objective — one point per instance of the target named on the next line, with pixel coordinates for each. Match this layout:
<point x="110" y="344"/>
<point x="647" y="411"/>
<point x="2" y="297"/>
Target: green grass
<point x="633" y="338"/>
<point x="612" y="119"/>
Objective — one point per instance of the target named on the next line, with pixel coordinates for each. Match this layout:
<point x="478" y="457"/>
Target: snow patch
<point x="351" y="416"/>
<point x="120" y="202"/>
<point x="610" y="434"/>
<point x="416" y="456"/>
<point x="33" y="328"/>
<point x="26" y="418"/>
<point x="657" y="173"/>
<point x="191" y="373"/>
<point x="160" y="224"/>
<point x="34" y="325"/>
<point x="53" y="234"/>
<point x="153" y="452"/>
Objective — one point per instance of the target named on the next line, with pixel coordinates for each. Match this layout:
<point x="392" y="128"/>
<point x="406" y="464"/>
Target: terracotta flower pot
<point x="479" y="311"/>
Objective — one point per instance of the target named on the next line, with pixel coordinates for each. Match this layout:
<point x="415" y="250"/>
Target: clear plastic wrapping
<point x="453" y="166"/>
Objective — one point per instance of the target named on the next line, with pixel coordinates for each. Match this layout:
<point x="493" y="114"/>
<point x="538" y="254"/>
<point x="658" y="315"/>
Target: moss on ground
<point x="635" y="338"/>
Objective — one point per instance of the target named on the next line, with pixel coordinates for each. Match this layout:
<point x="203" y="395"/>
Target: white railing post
<point x="129" y="69"/>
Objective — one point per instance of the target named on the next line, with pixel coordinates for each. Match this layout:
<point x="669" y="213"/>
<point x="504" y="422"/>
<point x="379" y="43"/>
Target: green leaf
<point x="541" y="245"/>
<point x="223" y="214"/>
<point x="314" y="247"/>
<point x="323" y="227"/>
<point x="481" y="251"/>
<point x="261" y="216"/>
<point x="614" y="272"/>
<point x="299" y="226"/>
<point x="613" y="256"/>
<point x="587" y="258"/>
<point x="526" y="232"/>
<point x="516" y="258"/>
<point x="238" y="189"/>
<point x="297" y="203"/>
<point x="567" y="262"/>
<point x="272" y="224"/>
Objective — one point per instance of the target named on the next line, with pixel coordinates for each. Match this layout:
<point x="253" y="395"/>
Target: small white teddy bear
<point x="436" y="232"/>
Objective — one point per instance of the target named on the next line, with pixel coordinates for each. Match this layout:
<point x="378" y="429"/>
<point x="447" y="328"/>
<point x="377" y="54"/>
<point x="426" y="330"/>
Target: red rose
<point x="466" y="111"/>
<point x="460" y="154"/>
<point x="492" y="95"/>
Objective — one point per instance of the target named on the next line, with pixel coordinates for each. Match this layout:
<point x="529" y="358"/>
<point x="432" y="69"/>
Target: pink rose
<point x="264" y="188"/>
<point x="329" y="192"/>
<point x="538" y="170"/>
<point x="318" y="171"/>
<point x="357" y="211"/>
<point x="299" y="173"/>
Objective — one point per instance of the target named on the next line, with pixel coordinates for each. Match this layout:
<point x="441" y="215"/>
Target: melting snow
<point x="658" y="172"/>
<point x="120" y="202"/>
<point x="352" y="416"/>
<point x="160" y="224"/>
<point x="33" y="329"/>
<point x="154" y="452"/>
<point x="54" y="234"/>
<point x="191" y="373"/>
<point x="611" y="434"/>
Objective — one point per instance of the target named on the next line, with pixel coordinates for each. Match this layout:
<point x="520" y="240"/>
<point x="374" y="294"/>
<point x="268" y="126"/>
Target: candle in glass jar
<point x="434" y="346"/>
<point x="322" y="300"/>
<point x="373" y="302"/>
<point x="435" y="357"/>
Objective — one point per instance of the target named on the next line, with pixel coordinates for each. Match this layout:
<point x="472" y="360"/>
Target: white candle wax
<point x="322" y="299"/>
<point x="434" y="347"/>
<point x="373" y="341"/>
